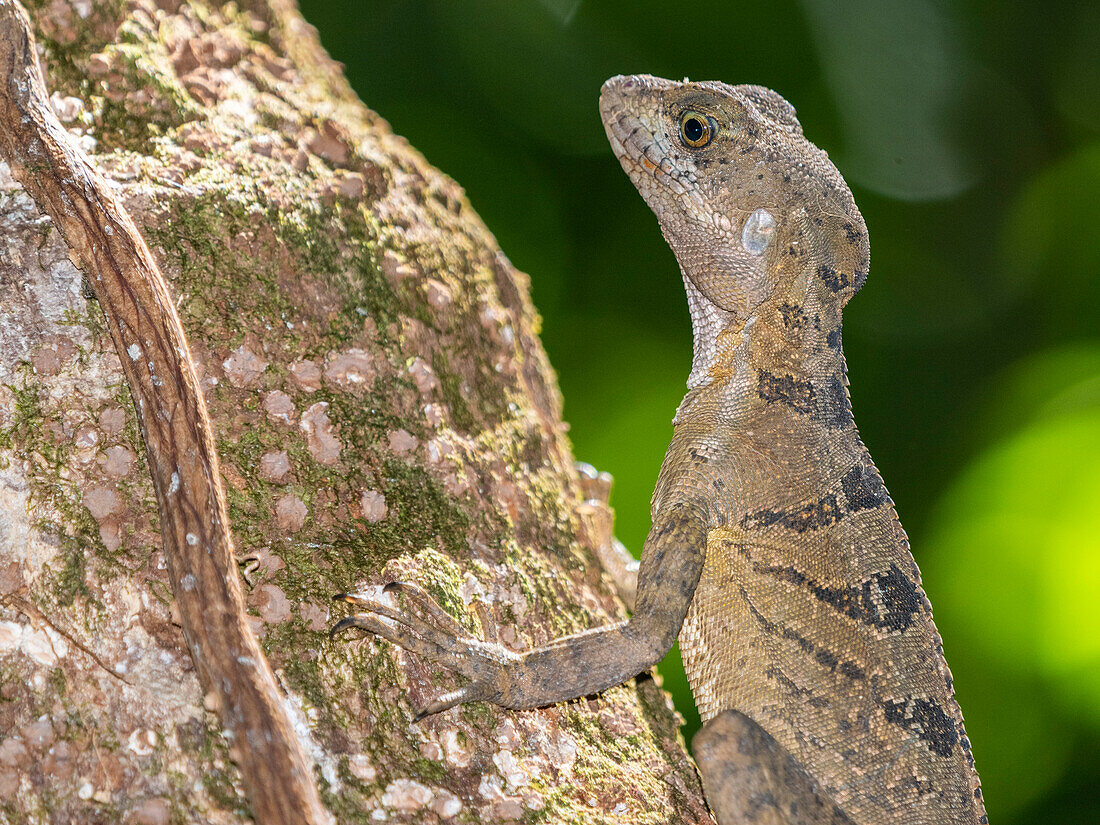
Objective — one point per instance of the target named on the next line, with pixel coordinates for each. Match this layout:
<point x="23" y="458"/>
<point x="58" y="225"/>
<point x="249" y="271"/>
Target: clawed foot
<point x="597" y="531"/>
<point x="428" y="630"/>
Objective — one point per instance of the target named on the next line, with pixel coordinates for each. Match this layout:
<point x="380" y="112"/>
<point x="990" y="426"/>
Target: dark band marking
<point x="863" y="488"/>
<point x="833" y="339"/>
<point x="836" y="281"/>
<point x="853" y="234"/>
<point x="834" y="408"/>
<point x="786" y="389"/>
<point x="826" y="658"/>
<point x="852" y="671"/>
<point x="887" y="600"/>
<point x="793" y="316"/>
<point x="800" y="518"/>
<point x="773" y="672"/>
<point x="927" y="719"/>
<point x="921" y="787"/>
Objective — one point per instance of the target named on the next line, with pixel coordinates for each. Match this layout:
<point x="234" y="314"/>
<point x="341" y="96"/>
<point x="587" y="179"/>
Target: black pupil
<point x="693" y="129"/>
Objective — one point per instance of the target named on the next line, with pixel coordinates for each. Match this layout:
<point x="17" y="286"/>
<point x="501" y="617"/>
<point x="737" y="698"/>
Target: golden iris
<point x="697" y="130"/>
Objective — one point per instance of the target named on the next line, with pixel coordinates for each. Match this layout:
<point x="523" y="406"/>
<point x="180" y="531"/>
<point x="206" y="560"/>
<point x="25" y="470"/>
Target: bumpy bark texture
<point x="382" y="408"/>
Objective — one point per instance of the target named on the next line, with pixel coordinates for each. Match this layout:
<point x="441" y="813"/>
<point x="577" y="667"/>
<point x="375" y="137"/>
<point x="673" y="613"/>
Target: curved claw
<point x="469" y="693"/>
<point x="437" y="625"/>
<point x="341" y="625"/>
<point x="366" y="597"/>
<point x="595" y="485"/>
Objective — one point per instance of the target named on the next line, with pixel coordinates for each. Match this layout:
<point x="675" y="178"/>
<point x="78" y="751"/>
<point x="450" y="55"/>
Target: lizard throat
<point x="777" y="335"/>
<point x="707" y="322"/>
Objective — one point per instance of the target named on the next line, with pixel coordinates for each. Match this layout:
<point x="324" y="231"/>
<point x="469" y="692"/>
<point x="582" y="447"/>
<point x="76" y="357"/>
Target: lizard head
<point x="745" y="201"/>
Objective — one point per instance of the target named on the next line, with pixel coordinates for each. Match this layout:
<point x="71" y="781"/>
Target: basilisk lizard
<point x="775" y="553"/>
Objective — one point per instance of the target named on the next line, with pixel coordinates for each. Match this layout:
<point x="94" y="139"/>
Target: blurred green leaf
<point x="1050" y="240"/>
<point x="896" y="69"/>
<point x="1012" y="565"/>
<point x="622" y="423"/>
<point x="1053" y="383"/>
<point x="1022" y="742"/>
<point x="1023" y="523"/>
<point x="562" y="9"/>
<point x="1077" y="72"/>
<point x="534" y="74"/>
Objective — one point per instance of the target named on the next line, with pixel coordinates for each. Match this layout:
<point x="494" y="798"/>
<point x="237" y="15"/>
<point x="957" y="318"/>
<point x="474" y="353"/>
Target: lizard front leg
<point x="566" y="668"/>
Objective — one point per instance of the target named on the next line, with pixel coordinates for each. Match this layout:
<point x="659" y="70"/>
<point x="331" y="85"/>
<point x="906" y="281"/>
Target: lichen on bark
<point x="382" y="406"/>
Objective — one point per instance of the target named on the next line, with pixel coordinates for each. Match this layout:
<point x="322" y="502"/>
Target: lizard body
<point x="775" y="554"/>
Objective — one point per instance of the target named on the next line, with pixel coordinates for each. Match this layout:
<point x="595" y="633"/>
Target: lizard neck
<point x="791" y="339"/>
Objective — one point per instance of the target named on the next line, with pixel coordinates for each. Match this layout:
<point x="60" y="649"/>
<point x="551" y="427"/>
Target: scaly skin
<point x="776" y="554"/>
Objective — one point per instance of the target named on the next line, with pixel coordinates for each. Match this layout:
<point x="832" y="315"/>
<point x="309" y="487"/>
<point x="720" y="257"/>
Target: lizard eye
<point x="697" y="130"/>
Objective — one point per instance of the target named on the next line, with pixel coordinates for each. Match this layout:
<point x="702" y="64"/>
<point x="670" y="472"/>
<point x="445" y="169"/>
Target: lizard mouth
<point x="631" y="110"/>
<point x="633" y="138"/>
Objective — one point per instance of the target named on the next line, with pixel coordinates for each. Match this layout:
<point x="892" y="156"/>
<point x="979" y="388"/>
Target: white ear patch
<point x="758" y="232"/>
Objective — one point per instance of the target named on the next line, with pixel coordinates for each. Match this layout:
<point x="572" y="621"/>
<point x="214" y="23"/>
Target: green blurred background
<point x="970" y="134"/>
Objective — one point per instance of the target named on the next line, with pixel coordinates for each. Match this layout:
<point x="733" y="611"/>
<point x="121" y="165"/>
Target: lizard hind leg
<point x="749" y="777"/>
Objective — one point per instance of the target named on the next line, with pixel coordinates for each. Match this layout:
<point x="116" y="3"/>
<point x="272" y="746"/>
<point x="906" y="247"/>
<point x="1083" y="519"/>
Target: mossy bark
<point x="382" y="407"/>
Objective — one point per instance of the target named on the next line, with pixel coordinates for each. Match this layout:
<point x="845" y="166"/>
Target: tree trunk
<point x="381" y="407"/>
